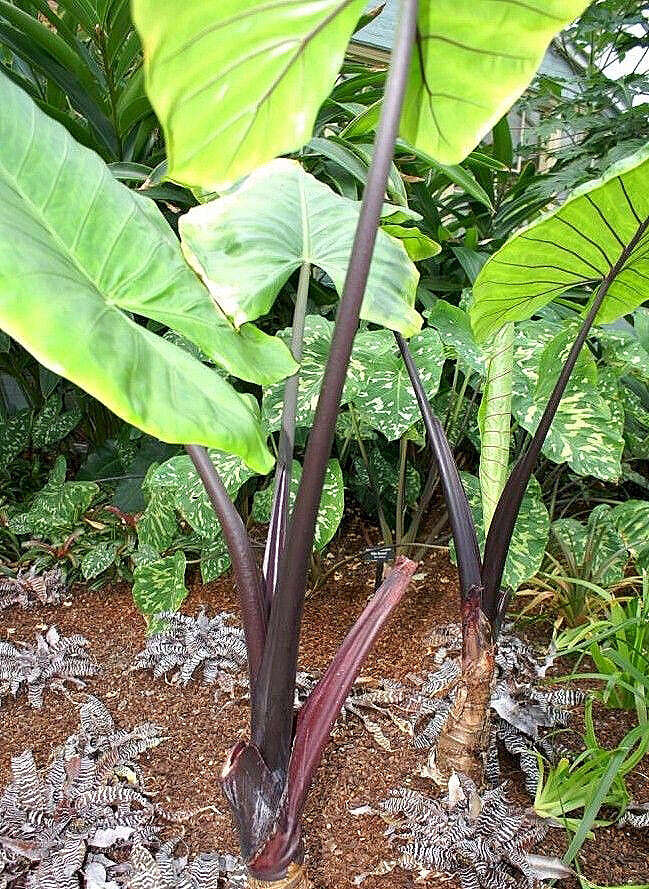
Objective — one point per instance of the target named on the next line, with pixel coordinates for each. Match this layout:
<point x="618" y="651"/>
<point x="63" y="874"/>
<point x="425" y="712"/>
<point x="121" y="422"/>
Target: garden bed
<point x="354" y="772"/>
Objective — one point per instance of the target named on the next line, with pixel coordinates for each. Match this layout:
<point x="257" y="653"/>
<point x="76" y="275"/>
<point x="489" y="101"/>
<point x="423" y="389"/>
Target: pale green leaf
<point x="246" y="245"/>
<point x="238" y="82"/>
<point x="494" y="420"/>
<point x="632" y="522"/>
<point x="573" y="246"/>
<point x="454" y="328"/>
<point x="78" y="253"/>
<point x="473" y="59"/>
<point x="157" y="526"/>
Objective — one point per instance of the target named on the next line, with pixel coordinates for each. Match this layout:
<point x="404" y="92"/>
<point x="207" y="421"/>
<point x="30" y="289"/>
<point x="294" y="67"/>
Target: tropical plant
<point x="29" y="587"/>
<point x="84" y="235"/>
<point x="593" y="247"/>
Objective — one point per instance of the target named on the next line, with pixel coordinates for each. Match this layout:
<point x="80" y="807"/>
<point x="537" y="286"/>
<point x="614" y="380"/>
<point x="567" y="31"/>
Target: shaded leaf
<point x="159" y="586"/>
<point x="98" y="559"/>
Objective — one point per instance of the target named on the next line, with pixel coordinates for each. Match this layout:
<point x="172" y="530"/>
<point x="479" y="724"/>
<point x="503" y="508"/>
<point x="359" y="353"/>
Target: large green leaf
<point x="573" y="246"/>
<point x="238" y="82"/>
<point x="586" y="431"/>
<point x="382" y="394"/>
<point x="632" y="522"/>
<point x="332" y="502"/>
<point x="530" y="536"/>
<point x="247" y="244"/>
<point x="473" y="59"/>
<point x="78" y="253"/>
<point x="178" y="481"/>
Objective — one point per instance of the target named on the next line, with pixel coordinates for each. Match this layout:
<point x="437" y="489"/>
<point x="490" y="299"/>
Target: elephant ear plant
<point x="234" y="84"/>
<point x="595" y="249"/>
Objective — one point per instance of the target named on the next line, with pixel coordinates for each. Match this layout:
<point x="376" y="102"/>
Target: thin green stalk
<point x="403" y="456"/>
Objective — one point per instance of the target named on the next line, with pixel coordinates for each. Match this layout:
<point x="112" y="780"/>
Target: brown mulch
<point x="184" y="770"/>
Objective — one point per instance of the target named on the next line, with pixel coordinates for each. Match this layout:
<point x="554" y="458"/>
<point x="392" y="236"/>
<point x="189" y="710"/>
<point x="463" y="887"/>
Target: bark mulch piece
<point x="184" y="770"/>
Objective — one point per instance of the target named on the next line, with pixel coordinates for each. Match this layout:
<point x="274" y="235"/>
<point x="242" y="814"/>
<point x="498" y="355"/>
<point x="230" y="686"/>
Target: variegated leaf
<point x="57" y="507"/>
<point x="530" y="536"/>
<point x="98" y="559"/>
<point x="159" y="586"/>
<point x="14" y="437"/>
<point x="495" y="419"/>
<point x="382" y="393"/>
<point x="632" y="521"/>
<point x="598" y="541"/>
<point x="157" y="526"/>
<point x="52" y="424"/>
<point x="215" y="559"/>
<point x="586" y="432"/>
<point x="317" y="342"/>
<point x="332" y="502"/>
<point x="179" y="479"/>
<point x="454" y="327"/>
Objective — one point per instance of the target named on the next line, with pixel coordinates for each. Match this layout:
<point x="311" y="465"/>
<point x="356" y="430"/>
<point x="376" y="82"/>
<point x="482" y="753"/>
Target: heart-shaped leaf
<point x="238" y="82"/>
<point x="79" y="253"/>
<point x="600" y="224"/>
<point x="473" y="59"/>
<point x="246" y="245"/>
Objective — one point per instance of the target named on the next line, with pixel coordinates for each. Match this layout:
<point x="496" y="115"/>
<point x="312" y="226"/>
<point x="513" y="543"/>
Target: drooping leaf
<point x="247" y="244"/>
<point x="418" y="245"/>
<point x="57" y="507"/>
<point x="586" y="432"/>
<point x="238" y="82"/>
<point x="178" y="481"/>
<point x="98" y="559"/>
<point x="159" y="586"/>
<point x="473" y="59"/>
<point x="530" y="535"/>
<point x="332" y="502"/>
<point x="383" y="395"/>
<point x="573" y="246"/>
<point x="78" y="251"/>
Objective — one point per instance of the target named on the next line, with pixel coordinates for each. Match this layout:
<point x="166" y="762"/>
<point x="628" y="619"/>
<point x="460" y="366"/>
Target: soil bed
<point x="200" y="731"/>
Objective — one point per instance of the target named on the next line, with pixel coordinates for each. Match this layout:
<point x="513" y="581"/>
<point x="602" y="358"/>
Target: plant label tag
<point x="378" y="554"/>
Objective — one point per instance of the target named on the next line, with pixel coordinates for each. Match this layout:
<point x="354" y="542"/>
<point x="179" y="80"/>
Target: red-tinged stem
<point x="246" y="572"/>
<point x="276" y="686"/>
<point x="506" y="513"/>
<point x="316" y="719"/>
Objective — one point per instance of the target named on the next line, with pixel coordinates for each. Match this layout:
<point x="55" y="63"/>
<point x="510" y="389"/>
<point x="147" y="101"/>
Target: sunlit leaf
<point x="159" y="586"/>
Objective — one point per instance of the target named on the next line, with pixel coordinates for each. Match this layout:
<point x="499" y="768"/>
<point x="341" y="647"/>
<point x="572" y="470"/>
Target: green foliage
<point x="98" y="559"/>
<point x="55" y="510"/>
<point x="587" y="429"/>
<point x="332" y="502"/>
<point x="246" y="245"/>
<point x="52" y="423"/>
<point x="158" y="586"/>
<point x="215" y="559"/>
<point x="471" y="65"/>
<point x="80" y="261"/>
<point x="530" y="532"/>
<point x="571" y="247"/>
<point x="274" y="70"/>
